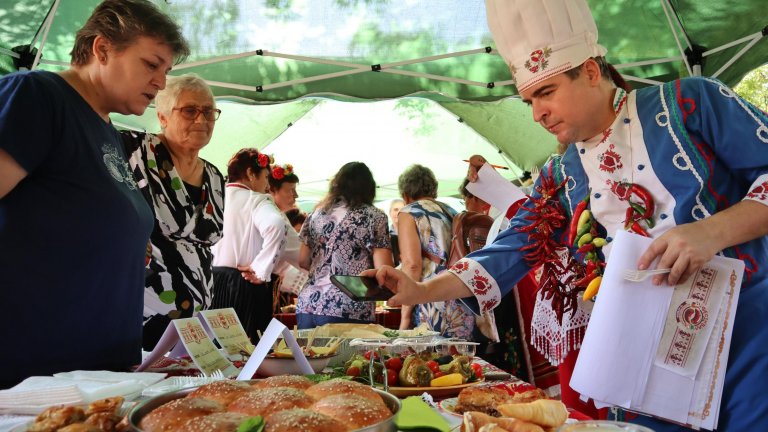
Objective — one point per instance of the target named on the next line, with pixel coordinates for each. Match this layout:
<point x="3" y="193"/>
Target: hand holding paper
<point x="494" y="189"/>
<point x="660" y="350"/>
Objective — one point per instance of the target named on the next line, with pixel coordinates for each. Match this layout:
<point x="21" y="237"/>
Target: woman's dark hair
<point x="295" y="216"/>
<point x="237" y="167"/>
<point x="354" y="184"/>
<point x="416" y="182"/>
<point x="124" y="21"/>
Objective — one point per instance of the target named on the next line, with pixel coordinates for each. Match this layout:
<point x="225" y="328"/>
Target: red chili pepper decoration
<point x="547" y="216"/>
<point x="636" y="228"/>
<point x="575" y="218"/>
<point x="629" y="218"/>
<point x="589" y="247"/>
<point x="624" y="192"/>
<point x="584" y="281"/>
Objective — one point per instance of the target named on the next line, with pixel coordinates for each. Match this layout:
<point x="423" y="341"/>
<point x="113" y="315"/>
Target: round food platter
<point x="441" y="392"/>
<point x="449" y="406"/>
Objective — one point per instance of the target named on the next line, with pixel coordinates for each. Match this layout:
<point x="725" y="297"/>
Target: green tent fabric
<point x="270" y="52"/>
<point x="382" y="32"/>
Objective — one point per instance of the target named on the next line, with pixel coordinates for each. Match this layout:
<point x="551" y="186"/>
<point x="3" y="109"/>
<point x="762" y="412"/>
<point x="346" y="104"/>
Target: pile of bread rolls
<point x="286" y="403"/>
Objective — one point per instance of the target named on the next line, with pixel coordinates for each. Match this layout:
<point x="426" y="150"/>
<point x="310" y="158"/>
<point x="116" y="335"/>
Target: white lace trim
<point x="551" y="338"/>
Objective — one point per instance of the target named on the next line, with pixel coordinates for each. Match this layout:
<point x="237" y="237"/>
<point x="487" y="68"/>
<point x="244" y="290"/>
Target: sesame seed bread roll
<point x="293" y="381"/>
<point x="171" y="416"/>
<point x="353" y="410"/>
<point x="266" y="402"/>
<point x="303" y="420"/>
<point x="342" y="386"/>
<point x="223" y="392"/>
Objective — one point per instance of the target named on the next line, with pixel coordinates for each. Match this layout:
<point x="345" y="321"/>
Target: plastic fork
<point x="640" y="275"/>
<point x="218" y="374"/>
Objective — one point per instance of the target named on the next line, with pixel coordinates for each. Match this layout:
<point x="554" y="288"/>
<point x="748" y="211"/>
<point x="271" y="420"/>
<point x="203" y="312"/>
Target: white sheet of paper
<point x="268" y="339"/>
<point x="616" y="362"/>
<point x="494" y="189"/>
<point x="625" y="324"/>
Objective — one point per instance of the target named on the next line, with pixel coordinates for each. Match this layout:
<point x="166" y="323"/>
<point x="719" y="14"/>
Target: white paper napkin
<point x="35" y="394"/>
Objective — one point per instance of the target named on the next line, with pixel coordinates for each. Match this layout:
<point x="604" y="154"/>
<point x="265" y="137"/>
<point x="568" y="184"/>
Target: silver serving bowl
<point x="143" y="408"/>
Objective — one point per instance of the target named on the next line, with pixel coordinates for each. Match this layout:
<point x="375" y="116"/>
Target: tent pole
<point x="436" y="57"/>
<point x="666" y="6"/>
<point x="435" y="77"/>
<point x="642" y="80"/>
<point x="355" y="69"/>
<point x="214" y="60"/>
<point x="647" y="62"/>
<point x="737" y="56"/>
<point x="9" y="52"/>
<point x="48" y="25"/>
<point x="757" y="35"/>
<point x="315" y="60"/>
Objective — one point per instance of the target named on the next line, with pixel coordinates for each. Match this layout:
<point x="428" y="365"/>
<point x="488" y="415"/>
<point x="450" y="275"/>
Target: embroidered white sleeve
<point x="759" y="190"/>
<point x="479" y="281"/>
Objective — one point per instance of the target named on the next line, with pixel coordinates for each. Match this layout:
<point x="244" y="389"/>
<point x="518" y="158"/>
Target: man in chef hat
<point x="690" y="156"/>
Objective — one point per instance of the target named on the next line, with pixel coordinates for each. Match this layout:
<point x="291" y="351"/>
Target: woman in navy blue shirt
<point x="73" y="224"/>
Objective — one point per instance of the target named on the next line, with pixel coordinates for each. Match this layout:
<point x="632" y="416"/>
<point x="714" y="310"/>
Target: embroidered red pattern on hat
<point x="538" y="60"/>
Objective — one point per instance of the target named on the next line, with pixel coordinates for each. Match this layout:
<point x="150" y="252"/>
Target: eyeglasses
<point x="191" y="113"/>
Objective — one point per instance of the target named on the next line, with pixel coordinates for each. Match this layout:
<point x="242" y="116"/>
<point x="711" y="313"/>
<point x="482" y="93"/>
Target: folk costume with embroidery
<point x="259" y="235"/>
<point x="697" y="149"/>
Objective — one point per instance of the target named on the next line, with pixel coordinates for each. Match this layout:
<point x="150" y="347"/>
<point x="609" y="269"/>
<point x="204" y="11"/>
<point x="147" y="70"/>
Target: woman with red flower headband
<point x="258" y="241"/>
<point x="282" y="186"/>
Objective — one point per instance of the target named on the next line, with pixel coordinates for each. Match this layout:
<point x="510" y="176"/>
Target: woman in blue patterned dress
<point x="344" y="235"/>
<point x="424" y="236"/>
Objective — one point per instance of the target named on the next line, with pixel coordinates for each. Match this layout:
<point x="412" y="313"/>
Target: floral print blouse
<point x="434" y="225"/>
<point x="341" y="241"/>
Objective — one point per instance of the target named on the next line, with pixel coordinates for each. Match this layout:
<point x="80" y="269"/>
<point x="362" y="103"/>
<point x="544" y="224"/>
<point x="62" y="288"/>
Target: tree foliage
<point x="754" y="87"/>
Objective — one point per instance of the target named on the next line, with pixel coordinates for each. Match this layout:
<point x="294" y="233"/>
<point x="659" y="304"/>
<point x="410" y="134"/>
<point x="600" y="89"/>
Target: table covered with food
<point x="398" y="381"/>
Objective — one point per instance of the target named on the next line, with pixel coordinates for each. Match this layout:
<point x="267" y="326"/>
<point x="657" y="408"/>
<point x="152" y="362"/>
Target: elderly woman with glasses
<point x="186" y="194"/>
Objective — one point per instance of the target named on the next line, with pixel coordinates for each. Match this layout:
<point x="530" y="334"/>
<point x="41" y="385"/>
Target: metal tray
<point x="143" y="408"/>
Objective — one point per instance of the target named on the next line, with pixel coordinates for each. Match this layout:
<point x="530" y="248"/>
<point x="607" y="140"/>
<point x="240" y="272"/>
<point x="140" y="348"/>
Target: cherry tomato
<point x="368" y="355"/>
<point x="353" y="371"/>
<point x="391" y="377"/>
<point x="437" y="374"/>
<point x="395" y="363"/>
<point x="477" y="369"/>
<point x="433" y="366"/>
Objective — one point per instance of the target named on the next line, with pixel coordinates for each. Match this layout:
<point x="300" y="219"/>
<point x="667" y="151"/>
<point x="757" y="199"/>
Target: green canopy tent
<point x="276" y="51"/>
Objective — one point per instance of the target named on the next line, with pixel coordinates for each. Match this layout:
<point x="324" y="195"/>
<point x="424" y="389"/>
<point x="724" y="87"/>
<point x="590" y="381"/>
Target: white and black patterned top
<point x="179" y="276"/>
